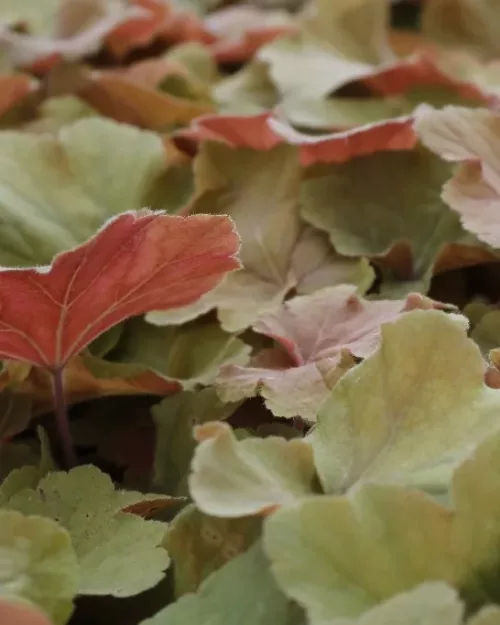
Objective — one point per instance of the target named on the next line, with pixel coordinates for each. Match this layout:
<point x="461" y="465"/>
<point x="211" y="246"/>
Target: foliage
<point x="249" y="312"/>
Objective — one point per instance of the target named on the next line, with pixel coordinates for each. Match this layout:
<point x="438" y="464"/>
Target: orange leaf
<point x="136" y="263"/>
<point x="263" y="132"/>
<point x="120" y="98"/>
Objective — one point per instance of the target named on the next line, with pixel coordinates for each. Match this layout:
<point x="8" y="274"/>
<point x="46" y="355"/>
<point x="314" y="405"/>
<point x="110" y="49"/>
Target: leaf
<point x="200" y="544"/>
<point x="318" y="335"/>
<point x="29" y="474"/>
<point x="87" y="378"/>
<point x="410" y="412"/>
<point x="119" y="554"/>
<point x="264" y="132"/>
<point x="127" y="101"/>
<point x="14" y="89"/>
<point x="38" y="564"/>
<point x="174" y="419"/>
<point x="231" y="478"/>
<point x="57" y="191"/>
<point x="433" y="603"/>
<point x="468" y="24"/>
<point x="328" y="552"/>
<point x="464" y="136"/>
<point x="21" y="613"/>
<point x="80" y="28"/>
<point x="241" y="592"/>
<point x="190" y="354"/>
<point x="398" y="203"/>
<point x="151" y="272"/>
<point x="15" y="413"/>
<point x="277" y="252"/>
<point x="243" y="185"/>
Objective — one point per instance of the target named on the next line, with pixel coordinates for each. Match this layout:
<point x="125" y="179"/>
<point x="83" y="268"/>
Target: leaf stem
<point x="62" y="420"/>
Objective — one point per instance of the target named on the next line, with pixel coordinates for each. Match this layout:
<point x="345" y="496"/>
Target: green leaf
<point x="57" y="191"/>
<point x="191" y="354"/>
<point x="200" y="544"/>
<point x="399" y="201"/>
<point x="241" y="592"/>
<point x="231" y="478"/>
<point x="28" y="473"/>
<point x="339" y="556"/>
<point x="174" y="418"/>
<point x="37" y="563"/>
<point x="119" y="553"/>
<point x="410" y="412"/>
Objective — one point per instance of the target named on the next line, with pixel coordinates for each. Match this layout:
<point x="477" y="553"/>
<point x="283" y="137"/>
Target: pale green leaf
<point x="37" y="563"/>
<point x="241" y="592"/>
<point x="119" y="553"/>
<point x="56" y="191"/>
<point x="231" y="478"/>
<point x="410" y="412"/>
<point x="341" y="555"/>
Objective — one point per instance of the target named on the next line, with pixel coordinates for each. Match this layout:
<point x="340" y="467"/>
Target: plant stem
<point x="61" y="412"/>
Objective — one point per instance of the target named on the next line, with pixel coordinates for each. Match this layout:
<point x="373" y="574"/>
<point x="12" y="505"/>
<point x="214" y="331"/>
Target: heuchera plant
<point x="249" y="312"/>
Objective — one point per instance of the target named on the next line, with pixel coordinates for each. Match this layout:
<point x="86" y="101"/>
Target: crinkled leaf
<point x="320" y="334"/>
<point x="38" y="564"/>
<point x="137" y="262"/>
<point x="410" y="412"/>
<point x="231" y="478"/>
<point x="119" y="554"/>
<point x="200" y="544"/>
<point x="174" y="418"/>
<point x="243" y="592"/>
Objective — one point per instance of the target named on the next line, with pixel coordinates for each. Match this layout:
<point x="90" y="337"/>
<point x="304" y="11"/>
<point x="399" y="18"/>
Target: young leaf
<point x="231" y="478"/>
<point x="136" y="262"/>
<point x="409" y="413"/>
<point x="320" y="334"/>
<point x="119" y="554"/>
<point x="38" y="564"/>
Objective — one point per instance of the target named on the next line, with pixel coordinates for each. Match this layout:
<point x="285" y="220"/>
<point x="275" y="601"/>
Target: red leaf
<point x="421" y="70"/>
<point x="263" y="132"/>
<point x="136" y="263"/>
